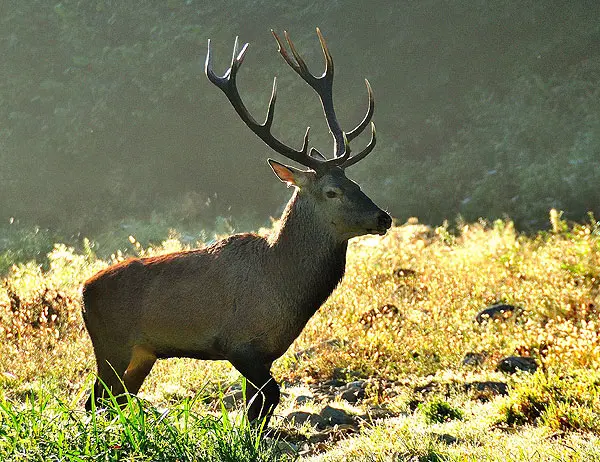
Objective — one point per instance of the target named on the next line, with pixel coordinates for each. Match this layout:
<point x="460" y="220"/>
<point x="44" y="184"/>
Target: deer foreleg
<point x="262" y="391"/>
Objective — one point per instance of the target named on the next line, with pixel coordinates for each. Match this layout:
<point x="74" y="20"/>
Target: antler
<point x="323" y="86"/>
<point x="227" y="84"/>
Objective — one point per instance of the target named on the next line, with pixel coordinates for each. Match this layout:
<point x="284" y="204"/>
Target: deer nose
<point x="384" y="221"/>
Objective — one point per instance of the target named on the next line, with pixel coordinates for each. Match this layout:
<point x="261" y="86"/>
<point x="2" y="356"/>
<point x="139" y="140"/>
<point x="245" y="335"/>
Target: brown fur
<point x="244" y="298"/>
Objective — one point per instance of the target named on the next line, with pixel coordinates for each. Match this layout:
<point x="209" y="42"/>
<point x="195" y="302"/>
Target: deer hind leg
<point x="125" y="371"/>
<point x="140" y="365"/>
<point x="110" y="372"/>
<point x="262" y="391"/>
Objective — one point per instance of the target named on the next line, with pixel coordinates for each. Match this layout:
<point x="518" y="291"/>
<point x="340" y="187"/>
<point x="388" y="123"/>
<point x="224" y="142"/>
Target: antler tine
<point x="227" y="84"/>
<point x="301" y="66"/>
<point x="297" y="63"/>
<point x="323" y="86"/>
<point x="363" y="124"/>
<point x="366" y="151"/>
<point x="328" y="58"/>
<point x="284" y="54"/>
<point x="271" y="108"/>
<point x="234" y="54"/>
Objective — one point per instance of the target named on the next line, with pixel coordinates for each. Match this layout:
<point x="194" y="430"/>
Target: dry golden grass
<point x="417" y="294"/>
<point x="404" y="315"/>
<point x="406" y="305"/>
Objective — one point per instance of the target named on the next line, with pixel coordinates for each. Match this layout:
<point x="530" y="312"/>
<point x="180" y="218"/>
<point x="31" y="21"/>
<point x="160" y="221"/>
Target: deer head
<point x="336" y="201"/>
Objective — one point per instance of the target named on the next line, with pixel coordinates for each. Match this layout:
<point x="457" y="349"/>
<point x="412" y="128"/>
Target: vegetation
<point x="439" y="411"/>
<point x="403" y="320"/>
<point x="484" y="109"/>
<point x="45" y="428"/>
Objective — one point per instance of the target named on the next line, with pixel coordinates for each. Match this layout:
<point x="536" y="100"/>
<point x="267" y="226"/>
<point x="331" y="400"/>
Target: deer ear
<point x="289" y="175"/>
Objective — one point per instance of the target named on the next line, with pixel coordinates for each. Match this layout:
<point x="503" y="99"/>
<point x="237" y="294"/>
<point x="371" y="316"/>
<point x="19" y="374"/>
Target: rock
<point x="353" y="391"/>
<point x="488" y="387"/>
<point x="336" y="416"/>
<point x="352" y="395"/>
<point x="445" y="438"/>
<point x="233" y="399"/>
<point x="299" y="418"/>
<point x="413" y="404"/>
<point x="512" y="364"/>
<point x="378" y="412"/>
<point x="286" y="447"/>
<point x="303" y="399"/>
<point x="500" y="311"/>
<point x="319" y="437"/>
<point x="334" y="383"/>
<point x="357" y="384"/>
<point x="474" y="359"/>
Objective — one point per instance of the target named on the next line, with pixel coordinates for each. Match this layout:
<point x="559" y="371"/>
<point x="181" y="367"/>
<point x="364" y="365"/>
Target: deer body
<point x="245" y="298"/>
<point x="241" y="290"/>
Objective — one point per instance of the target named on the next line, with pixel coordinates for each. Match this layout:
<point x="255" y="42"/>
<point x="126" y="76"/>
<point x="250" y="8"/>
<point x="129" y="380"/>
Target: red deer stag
<point x="245" y="298"/>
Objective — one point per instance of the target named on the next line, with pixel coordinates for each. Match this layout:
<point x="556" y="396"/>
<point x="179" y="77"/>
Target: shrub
<point x="565" y="403"/>
<point x="440" y="411"/>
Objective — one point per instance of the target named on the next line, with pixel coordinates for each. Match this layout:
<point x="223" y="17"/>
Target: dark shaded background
<point x="483" y="108"/>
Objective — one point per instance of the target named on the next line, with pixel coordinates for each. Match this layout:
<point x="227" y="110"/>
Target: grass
<point x="45" y="428"/>
<point x="403" y="318"/>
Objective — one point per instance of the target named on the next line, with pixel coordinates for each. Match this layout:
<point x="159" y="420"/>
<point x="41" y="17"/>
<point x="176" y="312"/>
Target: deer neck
<point x="308" y="257"/>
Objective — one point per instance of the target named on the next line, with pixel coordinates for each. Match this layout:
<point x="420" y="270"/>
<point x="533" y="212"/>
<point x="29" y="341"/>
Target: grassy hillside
<point x="403" y="321"/>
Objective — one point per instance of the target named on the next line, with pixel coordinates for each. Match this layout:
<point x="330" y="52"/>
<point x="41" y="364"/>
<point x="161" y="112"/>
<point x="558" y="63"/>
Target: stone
<point x="353" y="391"/>
<point x="379" y="412"/>
<point x="233" y="399"/>
<point x="513" y="364"/>
<point x="303" y="399"/>
<point x="335" y="416"/>
<point x="414" y="404"/>
<point x="499" y="311"/>
<point x="352" y="395"/>
<point x="299" y="418"/>
<point x="489" y="387"/>
<point x="319" y="437"/>
<point x="286" y="447"/>
<point x="474" y="359"/>
<point x="357" y="384"/>
<point x="334" y="383"/>
<point x="445" y="438"/>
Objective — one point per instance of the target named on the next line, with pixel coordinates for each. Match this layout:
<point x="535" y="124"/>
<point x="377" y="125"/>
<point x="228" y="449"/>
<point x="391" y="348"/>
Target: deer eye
<point x="332" y="193"/>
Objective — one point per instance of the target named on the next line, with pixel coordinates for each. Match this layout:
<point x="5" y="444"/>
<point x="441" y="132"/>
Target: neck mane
<point x="307" y="255"/>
